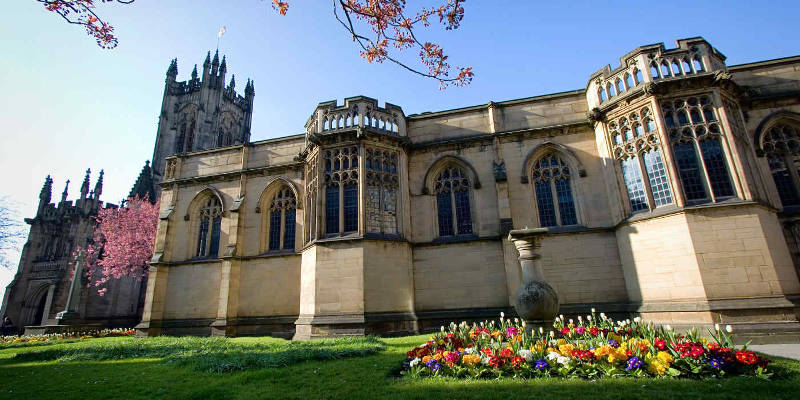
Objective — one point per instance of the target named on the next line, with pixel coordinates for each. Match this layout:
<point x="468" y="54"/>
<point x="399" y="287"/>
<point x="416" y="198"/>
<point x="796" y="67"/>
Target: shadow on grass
<point x="208" y="354"/>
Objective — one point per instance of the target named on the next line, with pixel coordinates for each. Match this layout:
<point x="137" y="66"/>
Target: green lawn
<point x="128" y="368"/>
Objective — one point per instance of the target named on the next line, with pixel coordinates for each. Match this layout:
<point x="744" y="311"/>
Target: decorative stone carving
<point x="652" y="88"/>
<point x="596" y="115"/>
<point x="499" y="170"/>
<point x="536" y="301"/>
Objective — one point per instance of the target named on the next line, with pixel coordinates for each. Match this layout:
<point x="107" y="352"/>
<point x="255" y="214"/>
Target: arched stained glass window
<point x="452" y="190"/>
<point x="341" y="191"/>
<point x="552" y="184"/>
<point x="282" y="220"/>
<point x="210" y="219"/>
<point x="698" y="149"/>
<point x="781" y="146"/>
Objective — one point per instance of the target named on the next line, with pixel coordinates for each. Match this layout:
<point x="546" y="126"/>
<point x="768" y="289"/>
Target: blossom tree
<point x="391" y="27"/>
<point x="123" y="242"/>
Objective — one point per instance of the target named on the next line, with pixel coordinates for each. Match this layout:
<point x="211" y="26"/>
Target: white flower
<point x="541" y="330"/>
<point x="414" y="362"/>
<point x="728" y="329"/>
<point x="423" y="345"/>
<point x="442" y="328"/>
<point x="526" y="354"/>
<point x="570" y="320"/>
<point x="562" y="360"/>
<point x="502" y="314"/>
<point x="469" y="350"/>
<point x="668" y="327"/>
<point x="484" y="360"/>
<point x="516" y="320"/>
<point x="589" y="318"/>
<point x="593" y="310"/>
<point x="580" y="319"/>
<point x="553" y="355"/>
<point x="561" y="316"/>
<point x="716" y="327"/>
<point x="552" y="333"/>
<point x="523" y="323"/>
<point x="603" y="315"/>
<point x="637" y="320"/>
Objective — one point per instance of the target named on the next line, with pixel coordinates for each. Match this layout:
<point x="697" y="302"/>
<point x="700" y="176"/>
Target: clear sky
<point x="67" y="105"/>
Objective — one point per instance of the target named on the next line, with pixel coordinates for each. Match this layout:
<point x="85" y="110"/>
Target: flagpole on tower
<point x="219" y="34"/>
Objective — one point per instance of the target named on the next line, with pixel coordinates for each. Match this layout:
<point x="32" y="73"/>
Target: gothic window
<point x="210" y="219"/>
<point x="181" y="138"/>
<point x="282" y="211"/>
<point x="781" y="146"/>
<point x="190" y="137"/>
<point x="638" y="75"/>
<point x="310" y="213"/>
<point x="553" y="188"/>
<point x="452" y="190"/>
<point x="629" y="81"/>
<point x="698" y="64"/>
<point x="382" y="187"/>
<point x="654" y="71"/>
<point x="696" y="139"/>
<point x="341" y="191"/>
<point x="636" y="147"/>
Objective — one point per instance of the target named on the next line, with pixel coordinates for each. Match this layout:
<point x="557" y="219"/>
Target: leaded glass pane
<point x="463" y="215"/>
<point x="275" y="230"/>
<point x="289" y="229"/>
<point x="657" y="175"/>
<point x="544" y="201"/>
<point x="566" y="205"/>
<point x="332" y="209"/>
<point x="634" y="184"/>
<point x="202" y="237"/>
<point x="213" y="249"/>
<point x="445" y="213"/>
<point x="783" y="181"/>
<point x="689" y="171"/>
<point x="351" y="207"/>
<point x="715" y="166"/>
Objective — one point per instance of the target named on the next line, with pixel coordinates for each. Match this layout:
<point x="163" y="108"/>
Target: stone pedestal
<point x="535" y="301"/>
<point x="70" y="315"/>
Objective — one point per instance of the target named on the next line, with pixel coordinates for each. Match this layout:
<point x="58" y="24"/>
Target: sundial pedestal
<point x="535" y="301"/>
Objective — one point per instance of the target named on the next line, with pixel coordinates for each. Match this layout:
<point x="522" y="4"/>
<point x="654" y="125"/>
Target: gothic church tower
<point x="201" y="113"/>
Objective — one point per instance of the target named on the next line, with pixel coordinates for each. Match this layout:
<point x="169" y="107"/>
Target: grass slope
<point x="169" y="368"/>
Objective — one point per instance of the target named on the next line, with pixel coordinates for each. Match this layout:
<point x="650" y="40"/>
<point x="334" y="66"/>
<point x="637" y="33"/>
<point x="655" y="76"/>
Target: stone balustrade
<point x="357" y="112"/>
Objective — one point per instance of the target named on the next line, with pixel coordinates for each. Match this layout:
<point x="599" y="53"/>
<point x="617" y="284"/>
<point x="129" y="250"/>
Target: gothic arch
<point x="563" y="151"/>
<point x="443" y="162"/>
<point x="32" y="300"/>
<point x="272" y="187"/>
<point x="202" y="195"/>
<point x="768" y="122"/>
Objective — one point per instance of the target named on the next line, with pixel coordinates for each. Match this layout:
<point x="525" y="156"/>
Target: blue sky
<point x="67" y="105"/>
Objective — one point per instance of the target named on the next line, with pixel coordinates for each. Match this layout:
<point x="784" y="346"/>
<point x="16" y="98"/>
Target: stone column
<point x="535" y="301"/>
<point x="70" y="313"/>
<point x="48" y="304"/>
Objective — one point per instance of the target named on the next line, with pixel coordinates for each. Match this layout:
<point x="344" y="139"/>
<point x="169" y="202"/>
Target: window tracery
<point x="452" y="190"/>
<point x="210" y="219"/>
<point x="693" y="129"/>
<point x="635" y="145"/>
<point x="341" y="190"/>
<point x="310" y="225"/>
<point x="382" y="187"/>
<point x="282" y="212"/>
<point x="781" y="146"/>
<point x="552" y="181"/>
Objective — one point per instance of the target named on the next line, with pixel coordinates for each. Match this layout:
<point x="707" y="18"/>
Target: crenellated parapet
<point x="641" y="70"/>
<point x="357" y="112"/>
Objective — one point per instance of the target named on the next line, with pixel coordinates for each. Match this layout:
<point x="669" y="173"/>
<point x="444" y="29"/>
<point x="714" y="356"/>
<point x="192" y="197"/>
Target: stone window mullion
<point x="556" y="205"/>
<point x="704" y="175"/>
<point x="648" y="191"/>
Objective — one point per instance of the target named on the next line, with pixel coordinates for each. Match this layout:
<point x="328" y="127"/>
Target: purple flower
<point x="541" y="364"/>
<point x="433" y="364"/>
<point x="511" y="332"/>
<point x="633" y="363"/>
<point x="717" y="362"/>
<point x="613" y="343"/>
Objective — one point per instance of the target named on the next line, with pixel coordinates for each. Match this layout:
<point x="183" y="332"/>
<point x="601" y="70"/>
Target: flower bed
<point x="36" y="339"/>
<point x="592" y="347"/>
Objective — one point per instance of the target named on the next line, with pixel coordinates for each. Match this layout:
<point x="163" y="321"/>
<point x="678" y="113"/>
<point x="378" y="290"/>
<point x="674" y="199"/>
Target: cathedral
<point x="669" y="186"/>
